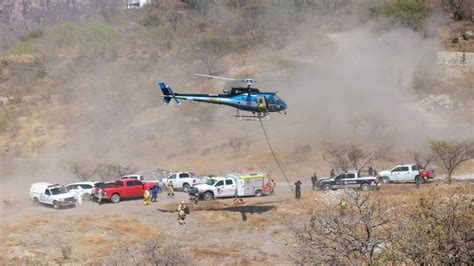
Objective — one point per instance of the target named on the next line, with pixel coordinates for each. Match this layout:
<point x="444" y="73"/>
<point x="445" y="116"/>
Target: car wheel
<point x="115" y="198"/>
<point x="208" y="196"/>
<point x="258" y="193"/>
<point x="86" y="197"/>
<point x="327" y="187"/>
<point x="35" y="202"/>
<point x="365" y="187"/>
<point x="186" y="188"/>
<point x="56" y="205"/>
<point x="385" y="180"/>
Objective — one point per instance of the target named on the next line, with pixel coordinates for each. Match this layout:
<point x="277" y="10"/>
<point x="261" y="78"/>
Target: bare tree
<point x="82" y="170"/>
<point x="358" y="236"/>
<point x="456" y="7"/>
<point x="344" y="156"/>
<point x="236" y="144"/>
<point x="210" y="50"/>
<point x="115" y="170"/>
<point x="65" y="249"/>
<point x="151" y="252"/>
<point x="439" y="231"/>
<point x="422" y="160"/>
<point x="336" y="156"/>
<point x="248" y="141"/>
<point x="452" y="153"/>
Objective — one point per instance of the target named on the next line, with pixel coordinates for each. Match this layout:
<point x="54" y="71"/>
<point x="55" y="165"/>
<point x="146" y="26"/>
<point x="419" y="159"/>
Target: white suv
<point x="50" y="194"/>
<point x="75" y="188"/>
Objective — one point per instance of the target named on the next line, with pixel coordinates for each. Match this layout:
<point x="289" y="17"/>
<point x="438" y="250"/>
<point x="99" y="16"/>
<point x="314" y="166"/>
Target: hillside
<point x="378" y="80"/>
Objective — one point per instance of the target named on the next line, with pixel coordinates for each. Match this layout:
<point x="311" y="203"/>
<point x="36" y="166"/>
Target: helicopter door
<point x="271" y="103"/>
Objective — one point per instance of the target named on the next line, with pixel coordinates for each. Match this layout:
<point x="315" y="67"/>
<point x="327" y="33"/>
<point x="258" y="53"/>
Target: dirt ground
<point x="259" y="231"/>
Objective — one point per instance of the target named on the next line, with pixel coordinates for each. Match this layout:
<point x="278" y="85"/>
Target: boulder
<point x="4" y="101"/>
<point x="468" y="35"/>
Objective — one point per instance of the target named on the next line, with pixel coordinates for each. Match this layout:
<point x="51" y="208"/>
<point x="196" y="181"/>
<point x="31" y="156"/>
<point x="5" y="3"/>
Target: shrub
<point x="3" y="121"/>
<point x="150" y="20"/>
<point x="92" y="39"/>
<point x="32" y="35"/>
<point x="25" y="47"/>
<point x="408" y="13"/>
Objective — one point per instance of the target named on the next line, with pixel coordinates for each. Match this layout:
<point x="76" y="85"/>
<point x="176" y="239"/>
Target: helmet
<point x="182" y="202"/>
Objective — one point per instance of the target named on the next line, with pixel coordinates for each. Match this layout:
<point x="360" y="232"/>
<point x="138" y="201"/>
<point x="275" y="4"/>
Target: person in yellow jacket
<point x="182" y="210"/>
<point x="146" y="197"/>
<point x="170" y="189"/>
<point x="261" y="105"/>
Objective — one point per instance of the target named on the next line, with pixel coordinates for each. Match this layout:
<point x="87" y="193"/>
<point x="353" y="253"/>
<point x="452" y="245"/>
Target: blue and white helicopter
<point x="249" y="98"/>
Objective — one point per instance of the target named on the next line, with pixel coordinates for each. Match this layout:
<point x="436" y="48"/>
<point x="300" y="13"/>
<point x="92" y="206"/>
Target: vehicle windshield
<point x="58" y="190"/>
<point x="210" y="181"/>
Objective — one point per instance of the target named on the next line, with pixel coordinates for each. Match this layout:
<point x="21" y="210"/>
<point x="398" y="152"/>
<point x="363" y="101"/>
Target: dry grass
<point x="209" y="252"/>
<point x="10" y="241"/>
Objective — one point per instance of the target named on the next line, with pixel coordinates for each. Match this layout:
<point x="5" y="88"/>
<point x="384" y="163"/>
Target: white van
<point x="51" y="194"/>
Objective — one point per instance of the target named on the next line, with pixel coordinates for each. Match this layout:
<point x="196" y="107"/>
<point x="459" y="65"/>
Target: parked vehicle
<point x="405" y="173"/>
<point x="51" y="194"/>
<point x="349" y="179"/>
<point x="124" y="188"/>
<point x="144" y="179"/>
<point x="184" y="180"/>
<point x="232" y="185"/>
<point x="75" y="188"/>
<point x="97" y="186"/>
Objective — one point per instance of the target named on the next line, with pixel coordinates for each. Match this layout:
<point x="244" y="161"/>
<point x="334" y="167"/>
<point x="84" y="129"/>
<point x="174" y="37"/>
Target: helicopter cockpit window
<point x="277" y="99"/>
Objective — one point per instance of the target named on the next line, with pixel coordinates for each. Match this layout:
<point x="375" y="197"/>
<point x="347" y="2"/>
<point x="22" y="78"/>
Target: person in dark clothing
<point x="332" y="173"/>
<point x="314" y="180"/>
<point x="371" y="170"/>
<point x="154" y="193"/>
<point x="298" y="189"/>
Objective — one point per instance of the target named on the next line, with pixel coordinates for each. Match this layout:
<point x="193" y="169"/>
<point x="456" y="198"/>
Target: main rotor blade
<point x="215" y="77"/>
<point x="272" y="80"/>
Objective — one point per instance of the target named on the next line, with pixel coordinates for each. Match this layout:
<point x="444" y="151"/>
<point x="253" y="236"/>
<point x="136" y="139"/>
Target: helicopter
<point x="248" y="98"/>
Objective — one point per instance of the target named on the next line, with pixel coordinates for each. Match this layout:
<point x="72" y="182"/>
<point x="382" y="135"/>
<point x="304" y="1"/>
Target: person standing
<point x="154" y="193"/>
<point x="314" y="180"/>
<point x="272" y="186"/>
<point x="170" y="189"/>
<point x="298" y="189"/>
<point x="371" y="170"/>
<point x="182" y="210"/>
<point x="100" y="196"/>
<point x="80" y="194"/>
<point x="146" y="197"/>
<point x="343" y="206"/>
<point x="332" y="173"/>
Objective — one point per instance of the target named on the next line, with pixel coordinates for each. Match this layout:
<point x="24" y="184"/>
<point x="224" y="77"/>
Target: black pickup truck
<point x="349" y="180"/>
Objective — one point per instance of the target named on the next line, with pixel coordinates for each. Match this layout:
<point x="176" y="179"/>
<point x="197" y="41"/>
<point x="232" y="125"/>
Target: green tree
<point x="452" y="153"/>
<point x="408" y="13"/>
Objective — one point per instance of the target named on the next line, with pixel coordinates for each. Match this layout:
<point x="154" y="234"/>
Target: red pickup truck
<point x="125" y="188"/>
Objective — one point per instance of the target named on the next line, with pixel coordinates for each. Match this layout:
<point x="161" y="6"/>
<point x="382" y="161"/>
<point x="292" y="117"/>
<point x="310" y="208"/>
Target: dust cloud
<point x="350" y="84"/>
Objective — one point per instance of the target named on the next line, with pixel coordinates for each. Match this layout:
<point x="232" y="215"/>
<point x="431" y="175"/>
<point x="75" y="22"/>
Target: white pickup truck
<point x="50" y="194"/>
<point x="184" y="180"/>
<point x="405" y="173"/>
<point x="232" y="185"/>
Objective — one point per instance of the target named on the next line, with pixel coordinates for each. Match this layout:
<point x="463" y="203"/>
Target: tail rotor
<point x="168" y="93"/>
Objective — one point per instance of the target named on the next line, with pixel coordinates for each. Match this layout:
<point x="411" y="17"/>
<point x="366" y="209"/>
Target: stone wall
<point x="453" y="64"/>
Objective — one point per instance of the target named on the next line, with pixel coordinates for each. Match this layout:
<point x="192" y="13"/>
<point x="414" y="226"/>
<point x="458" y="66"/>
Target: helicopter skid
<point x="254" y="117"/>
